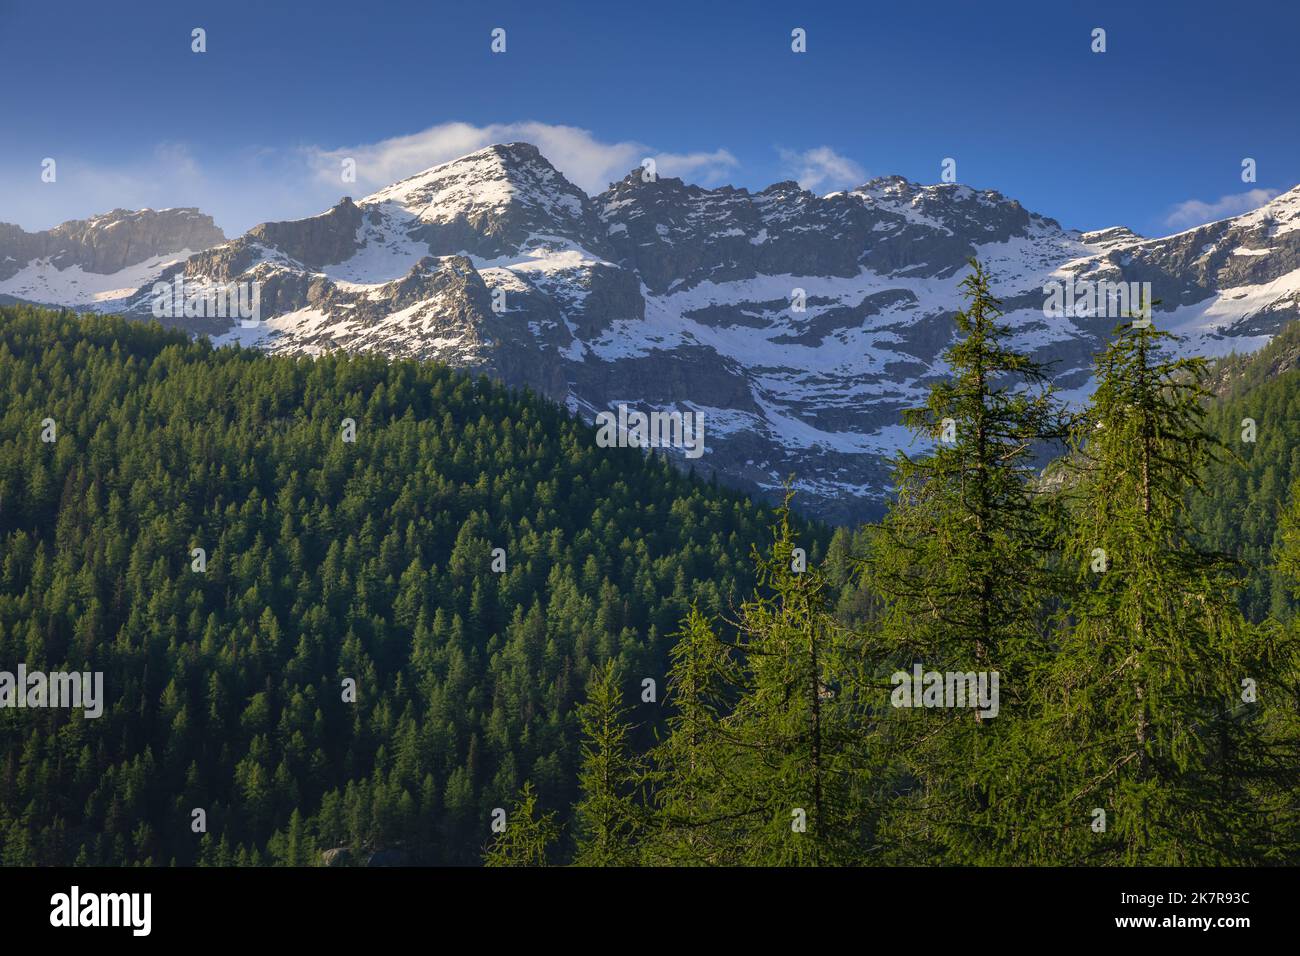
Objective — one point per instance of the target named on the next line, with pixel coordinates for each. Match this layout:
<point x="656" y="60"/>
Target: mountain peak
<point x="495" y="175"/>
<point x="901" y="189"/>
<point x="636" y="178"/>
<point x="102" y="244"/>
<point x="513" y="152"/>
<point x="888" y="184"/>
<point x="493" y="201"/>
<point x="670" y="292"/>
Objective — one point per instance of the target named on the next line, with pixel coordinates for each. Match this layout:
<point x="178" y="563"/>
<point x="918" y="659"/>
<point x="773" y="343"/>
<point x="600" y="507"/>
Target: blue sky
<point x="1150" y="134"/>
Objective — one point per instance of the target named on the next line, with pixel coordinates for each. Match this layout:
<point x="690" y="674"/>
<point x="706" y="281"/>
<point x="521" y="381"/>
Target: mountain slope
<point x="798" y="325"/>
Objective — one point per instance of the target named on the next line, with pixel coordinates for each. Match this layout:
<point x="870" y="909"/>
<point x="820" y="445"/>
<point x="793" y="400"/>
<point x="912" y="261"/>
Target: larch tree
<point x="962" y="565"/>
<point x="527" y="836"/>
<point x="609" y="818"/>
<point x="767" y="741"/>
<point x="1153" y="743"/>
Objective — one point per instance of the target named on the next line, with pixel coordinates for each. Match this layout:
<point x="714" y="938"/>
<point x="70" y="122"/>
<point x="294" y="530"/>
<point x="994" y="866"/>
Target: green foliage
<point x="1144" y="714"/>
<point x="764" y="762"/>
<point x="528" y="835"/>
<point x="962" y="566"/>
<point x="689" y="769"/>
<point x="1136" y="686"/>
<point x="326" y="560"/>
<point x="1247" y="492"/>
<point x="1130" y="682"/>
<point x="609" y="816"/>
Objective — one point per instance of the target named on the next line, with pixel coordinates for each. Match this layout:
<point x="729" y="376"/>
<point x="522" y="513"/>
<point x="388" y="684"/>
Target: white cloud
<point x="587" y="162"/>
<point x="821" y="169"/>
<point x="1194" y="212"/>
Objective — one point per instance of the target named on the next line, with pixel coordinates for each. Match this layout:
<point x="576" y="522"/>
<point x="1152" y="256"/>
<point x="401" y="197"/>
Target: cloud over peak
<point x="587" y="162"/>
<point x="1195" y="212"/>
<point x="821" y="169"/>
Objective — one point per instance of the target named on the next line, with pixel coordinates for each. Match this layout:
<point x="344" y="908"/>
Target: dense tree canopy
<point x="1259" y="419"/>
<point x="326" y="560"/>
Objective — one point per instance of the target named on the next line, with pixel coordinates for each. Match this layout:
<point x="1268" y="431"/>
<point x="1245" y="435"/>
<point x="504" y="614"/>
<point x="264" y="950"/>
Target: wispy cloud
<point x="1195" y="212"/>
<point x="821" y="169"/>
<point x="81" y="188"/>
<point x="589" y="163"/>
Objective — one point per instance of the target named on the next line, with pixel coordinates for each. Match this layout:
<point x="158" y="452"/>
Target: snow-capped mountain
<point x="669" y="296"/>
<point x="99" y="262"/>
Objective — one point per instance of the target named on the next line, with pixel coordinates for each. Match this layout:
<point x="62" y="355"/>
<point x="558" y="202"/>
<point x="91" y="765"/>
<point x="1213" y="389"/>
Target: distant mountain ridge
<point x="88" y="261"/>
<point x="665" y="295"/>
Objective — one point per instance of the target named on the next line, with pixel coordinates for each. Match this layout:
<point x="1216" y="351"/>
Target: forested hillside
<point x="326" y="560"/>
<point x="1260" y="400"/>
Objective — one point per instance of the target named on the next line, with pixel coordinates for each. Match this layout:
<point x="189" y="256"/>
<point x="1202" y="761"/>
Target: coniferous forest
<point x="325" y="560"/>
<point x="357" y="610"/>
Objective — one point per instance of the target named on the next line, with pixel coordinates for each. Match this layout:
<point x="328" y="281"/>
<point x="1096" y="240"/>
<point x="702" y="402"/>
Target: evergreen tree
<point x="528" y="835"/>
<point x="1152" y="714"/>
<point x="690" y="768"/>
<point x="609" y="817"/>
<point x="765" y="745"/>
<point x="962" y="565"/>
<point x="1288" y="548"/>
<point x="1258" y="414"/>
<point x="323" y="561"/>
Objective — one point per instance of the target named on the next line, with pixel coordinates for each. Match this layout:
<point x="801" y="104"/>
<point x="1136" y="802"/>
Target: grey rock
<point x="108" y="243"/>
<point x="338" y="856"/>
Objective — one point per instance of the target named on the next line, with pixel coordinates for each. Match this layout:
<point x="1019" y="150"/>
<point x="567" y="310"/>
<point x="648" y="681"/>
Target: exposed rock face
<point x="108" y="243"/>
<point x="320" y="241"/>
<point x="676" y="236"/>
<point x="79" y="262"/>
<point x="798" y="325"/>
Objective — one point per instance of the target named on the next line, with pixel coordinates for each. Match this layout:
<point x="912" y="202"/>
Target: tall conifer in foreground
<point x="1151" y="743"/>
<point x="961" y="562"/>
<point x="609" y="818"/>
<point x="689" y="766"/>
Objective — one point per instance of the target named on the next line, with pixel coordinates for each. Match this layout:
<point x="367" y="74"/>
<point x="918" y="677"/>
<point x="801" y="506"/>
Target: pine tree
<point x="764" y="753"/>
<point x="299" y="848"/>
<point x="528" y="835"/>
<point x="689" y="767"/>
<point x="1153" y="748"/>
<point x="962" y="565"/>
<point x="608" y="818"/>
